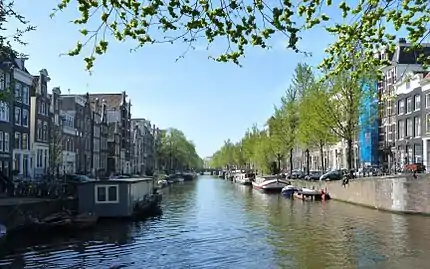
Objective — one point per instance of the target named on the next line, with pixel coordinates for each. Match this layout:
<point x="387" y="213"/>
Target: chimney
<point x="402" y="40"/>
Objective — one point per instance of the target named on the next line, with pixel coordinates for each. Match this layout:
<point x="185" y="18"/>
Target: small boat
<point x="84" y="220"/>
<point x="58" y="220"/>
<point x="311" y="194"/>
<point x="289" y="190"/>
<point x="270" y="184"/>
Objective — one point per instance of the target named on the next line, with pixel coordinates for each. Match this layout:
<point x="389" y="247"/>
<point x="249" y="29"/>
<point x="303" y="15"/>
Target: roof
<point x="403" y="56"/>
<point x="113" y="100"/>
<point x="119" y="180"/>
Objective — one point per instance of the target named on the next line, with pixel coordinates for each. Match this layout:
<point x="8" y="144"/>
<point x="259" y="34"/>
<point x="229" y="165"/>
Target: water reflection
<point x="213" y="223"/>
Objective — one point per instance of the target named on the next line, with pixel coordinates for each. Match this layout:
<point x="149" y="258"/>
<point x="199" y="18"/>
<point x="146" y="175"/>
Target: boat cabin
<point x="114" y="197"/>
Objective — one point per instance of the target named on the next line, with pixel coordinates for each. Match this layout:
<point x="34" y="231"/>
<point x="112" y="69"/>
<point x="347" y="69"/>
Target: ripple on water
<point x="216" y="224"/>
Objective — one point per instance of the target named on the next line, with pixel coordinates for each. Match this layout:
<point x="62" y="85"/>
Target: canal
<point x="211" y="223"/>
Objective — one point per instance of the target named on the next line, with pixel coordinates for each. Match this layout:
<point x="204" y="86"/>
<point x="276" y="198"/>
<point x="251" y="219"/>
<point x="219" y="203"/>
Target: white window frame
<point x="417" y="98"/>
<point x="6" y="142"/>
<point x="106" y="187"/>
<point x="19" y="117"/>
<point x="25" y="111"/>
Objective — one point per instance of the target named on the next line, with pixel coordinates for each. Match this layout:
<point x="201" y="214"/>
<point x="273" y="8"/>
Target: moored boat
<point x="270" y="184"/>
<point x="289" y="190"/>
<point x="245" y="178"/>
<point x="311" y="194"/>
<point x="84" y="220"/>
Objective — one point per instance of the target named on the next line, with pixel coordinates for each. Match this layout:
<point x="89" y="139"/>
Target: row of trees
<point x="314" y="113"/>
<point x="176" y="152"/>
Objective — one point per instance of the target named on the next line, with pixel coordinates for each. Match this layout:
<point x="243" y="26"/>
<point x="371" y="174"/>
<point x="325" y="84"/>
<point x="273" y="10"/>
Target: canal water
<point x="211" y="223"/>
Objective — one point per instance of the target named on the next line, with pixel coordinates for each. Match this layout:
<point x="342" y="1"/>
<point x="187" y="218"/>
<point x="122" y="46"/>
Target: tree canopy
<point x="177" y="152"/>
<point x="313" y="113"/>
<point x="237" y="25"/>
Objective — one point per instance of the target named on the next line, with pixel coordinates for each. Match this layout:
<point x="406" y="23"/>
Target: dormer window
<point x="408" y="84"/>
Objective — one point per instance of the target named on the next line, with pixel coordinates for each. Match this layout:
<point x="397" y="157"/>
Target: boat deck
<point x="7" y="201"/>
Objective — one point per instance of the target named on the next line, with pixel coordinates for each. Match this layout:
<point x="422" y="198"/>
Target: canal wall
<point x="402" y="194"/>
<point x="18" y="213"/>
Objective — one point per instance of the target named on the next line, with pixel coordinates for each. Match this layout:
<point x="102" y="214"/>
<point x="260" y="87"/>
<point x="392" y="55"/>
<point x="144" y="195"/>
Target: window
<point x="25" y="95"/>
<point x="417" y="101"/>
<point x="428" y="100"/>
<point x="106" y="194"/>
<point x="408" y="84"/>
<point x="17" y="116"/>
<point x="409" y="127"/>
<point x="1" y="141"/>
<point x="4" y="112"/>
<point x="401" y="129"/>
<point x="39" y="130"/>
<point x="17" y="144"/>
<point x="17" y="162"/>
<point x="25" y="117"/>
<point x="6" y="142"/>
<point x="409" y="105"/>
<point x="428" y="123"/>
<point x="18" y="96"/>
<point x="417" y="126"/>
<point x="401" y="106"/>
<point x="45" y="131"/>
<point x="24" y="141"/>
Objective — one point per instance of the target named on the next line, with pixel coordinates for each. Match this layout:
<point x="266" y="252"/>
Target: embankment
<point x="402" y="194"/>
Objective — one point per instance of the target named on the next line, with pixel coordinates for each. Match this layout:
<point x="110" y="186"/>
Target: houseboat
<point x="188" y="176"/>
<point x="125" y="197"/>
<point x="245" y="178"/>
<point x="270" y="184"/>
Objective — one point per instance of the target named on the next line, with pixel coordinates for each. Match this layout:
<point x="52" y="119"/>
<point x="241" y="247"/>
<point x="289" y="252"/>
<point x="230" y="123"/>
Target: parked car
<point x="313" y="175"/>
<point x="296" y="174"/>
<point x="333" y="175"/>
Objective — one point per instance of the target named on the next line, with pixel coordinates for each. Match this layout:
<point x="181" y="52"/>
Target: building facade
<point x="40" y="122"/>
<point x="23" y="81"/>
<point x="402" y="61"/>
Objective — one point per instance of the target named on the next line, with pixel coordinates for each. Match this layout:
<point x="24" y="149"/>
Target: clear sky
<point x="210" y="102"/>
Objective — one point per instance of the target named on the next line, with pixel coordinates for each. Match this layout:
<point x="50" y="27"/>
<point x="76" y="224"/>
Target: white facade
<point x="69" y="155"/>
<point x="425" y="86"/>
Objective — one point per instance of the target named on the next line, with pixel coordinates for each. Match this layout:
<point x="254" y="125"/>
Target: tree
<point x="177" y="152"/>
<point x="242" y="24"/>
<point x="338" y="108"/>
<point x="56" y="143"/>
<point x="312" y="132"/>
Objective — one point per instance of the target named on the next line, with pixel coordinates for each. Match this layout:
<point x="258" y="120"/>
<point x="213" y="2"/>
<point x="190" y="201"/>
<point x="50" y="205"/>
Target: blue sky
<point x="210" y="102"/>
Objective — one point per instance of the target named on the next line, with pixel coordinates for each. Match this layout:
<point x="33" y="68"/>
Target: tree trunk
<point x="322" y="157"/>
<point x="291" y="160"/>
<point x="307" y="161"/>
<point x="350" y="153"/>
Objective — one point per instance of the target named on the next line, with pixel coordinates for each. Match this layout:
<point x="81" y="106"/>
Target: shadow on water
<point x="212" y="223"/>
